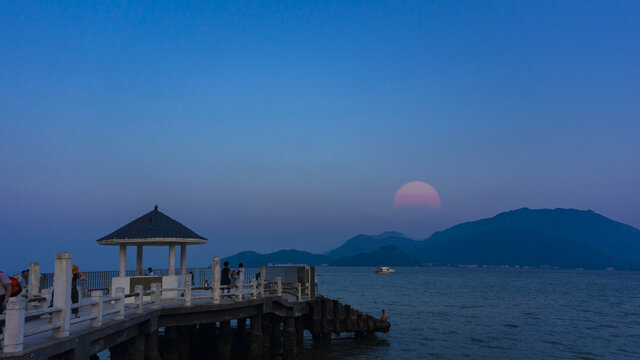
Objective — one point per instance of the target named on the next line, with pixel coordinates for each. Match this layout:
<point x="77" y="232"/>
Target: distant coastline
<point x="518" y="239"/>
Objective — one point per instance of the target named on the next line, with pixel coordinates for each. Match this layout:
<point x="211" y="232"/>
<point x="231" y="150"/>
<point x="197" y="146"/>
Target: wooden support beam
<point x="118" y="352"/>
<point x="224" y="343"/>
<point x="266" y="334"/>
<point x="185" y="334"/>
<point x="170" y="342"/>
<point x="135" y="347"/>
<point x="289" y="343"/>
<point x="275" y="340"/>
<point x="255" y="337"/>
<point x="316" y="321"/>
<point x="299" y="324"/>
<point x="152" y="346"/>
<point x="240" y="348"/>
<point x="327" y="319"/>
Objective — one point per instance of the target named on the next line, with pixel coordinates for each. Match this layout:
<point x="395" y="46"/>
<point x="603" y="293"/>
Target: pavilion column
<point x="172" y="259"/>
<point x="183" y="259"/>
<point x="123" y="260"/>
<point x="139" y="261"/>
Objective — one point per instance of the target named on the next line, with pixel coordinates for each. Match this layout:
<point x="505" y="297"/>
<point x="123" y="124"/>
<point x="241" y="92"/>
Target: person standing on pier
<point x="75" y="296"/>
<point x="225" y="279"/>
<point x="384" y="316"/>
<point x="5" y="292"/>
<point x="240" y="275"/>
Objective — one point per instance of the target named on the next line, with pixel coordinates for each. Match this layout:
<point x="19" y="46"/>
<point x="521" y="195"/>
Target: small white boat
<point x="384" y="270"/>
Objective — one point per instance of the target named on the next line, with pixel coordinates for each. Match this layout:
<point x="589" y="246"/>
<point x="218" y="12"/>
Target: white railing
<point x="17" y="314"/>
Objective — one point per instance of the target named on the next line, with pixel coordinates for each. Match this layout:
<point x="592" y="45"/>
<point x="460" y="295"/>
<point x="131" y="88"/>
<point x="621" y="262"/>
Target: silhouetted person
<point x="225" y="278"/>
<point x="150" y="271"/>
<point x="384" y="316"/>
<point x="75" y="296"/>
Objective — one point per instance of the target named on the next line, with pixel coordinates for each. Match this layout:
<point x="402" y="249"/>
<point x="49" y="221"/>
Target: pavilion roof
<point x="152" y="228"/>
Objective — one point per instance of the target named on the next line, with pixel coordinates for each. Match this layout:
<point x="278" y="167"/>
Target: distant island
<point x="557" y="238"/>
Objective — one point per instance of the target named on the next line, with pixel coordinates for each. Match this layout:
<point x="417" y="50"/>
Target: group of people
<point x="228" y="276"/>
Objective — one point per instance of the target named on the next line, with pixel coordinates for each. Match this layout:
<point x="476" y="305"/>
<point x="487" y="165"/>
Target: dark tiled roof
<point x="153" y="225"/>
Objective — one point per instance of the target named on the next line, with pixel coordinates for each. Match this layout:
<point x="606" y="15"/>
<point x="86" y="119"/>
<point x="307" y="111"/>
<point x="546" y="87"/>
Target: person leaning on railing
<point x="75" y="296"/>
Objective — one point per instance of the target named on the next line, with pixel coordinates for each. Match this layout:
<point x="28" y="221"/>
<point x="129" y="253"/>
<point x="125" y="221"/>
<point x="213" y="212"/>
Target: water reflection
<point x="346" y="346"/>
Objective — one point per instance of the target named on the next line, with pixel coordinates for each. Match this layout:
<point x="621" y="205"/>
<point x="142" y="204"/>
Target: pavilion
<point x="152" y="229"/>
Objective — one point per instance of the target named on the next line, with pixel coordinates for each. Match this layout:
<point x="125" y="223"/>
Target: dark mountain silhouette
<point x="387" y="255"/>
<point x="518" y="247"/>
<point x="565" y="238"/>
<point x="367" y="243"/>
<point x="611" y="238"/>
<point x="252" y="258"/>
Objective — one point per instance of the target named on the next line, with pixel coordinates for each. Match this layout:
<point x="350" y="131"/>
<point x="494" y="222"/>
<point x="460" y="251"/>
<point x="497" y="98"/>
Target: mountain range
<point x="563" y="238"/>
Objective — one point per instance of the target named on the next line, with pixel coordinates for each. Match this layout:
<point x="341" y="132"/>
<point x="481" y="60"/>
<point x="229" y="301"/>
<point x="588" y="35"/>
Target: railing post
<point x="62" y="294"/>
<point x="34" y="280"/>
<point x="14" y="326"/>
<point x="156" y="295"/>
<point x="238" y="291"/>
<point x="45" y="294"/>
<point x="96" y="309"/>
<point x="298" y="291"/>
<point x="139" y="298"/>
<point x="215" y="279"/>
<point x="307" y="281"/>
<point x="261" y="286"/>
<point x="254" y="289"/>
<point x="120" y="303"/>
<point x="187" y="290"/>
<point x="279" y="286"/>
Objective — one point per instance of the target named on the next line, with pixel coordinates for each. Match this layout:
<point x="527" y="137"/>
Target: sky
<point x="276" y="125"/>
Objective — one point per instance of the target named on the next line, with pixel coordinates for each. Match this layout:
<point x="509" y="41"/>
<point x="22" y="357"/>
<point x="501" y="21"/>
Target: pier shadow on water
<point x="345" y="347"/>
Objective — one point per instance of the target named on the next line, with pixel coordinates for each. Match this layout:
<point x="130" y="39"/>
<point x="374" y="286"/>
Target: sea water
<point x="462" y="313"/>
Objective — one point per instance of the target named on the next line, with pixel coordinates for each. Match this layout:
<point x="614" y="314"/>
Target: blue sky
<point x="267" y="125"/>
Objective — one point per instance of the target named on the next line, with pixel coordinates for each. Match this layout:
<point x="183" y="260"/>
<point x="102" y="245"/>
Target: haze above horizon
<point x="271" y="126"/>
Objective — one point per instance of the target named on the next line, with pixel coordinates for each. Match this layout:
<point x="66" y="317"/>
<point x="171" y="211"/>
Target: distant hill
<point x="252" y="258"/>
<point x="565" y="238"/>
<point x="368" y="243"/>
<point x="518" y="247"/>
<point x="387" y="255"/>
<point x="572" y="227"/>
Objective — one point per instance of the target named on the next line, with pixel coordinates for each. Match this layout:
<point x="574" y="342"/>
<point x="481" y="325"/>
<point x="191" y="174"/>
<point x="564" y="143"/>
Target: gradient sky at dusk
<point x="264" y="126"/>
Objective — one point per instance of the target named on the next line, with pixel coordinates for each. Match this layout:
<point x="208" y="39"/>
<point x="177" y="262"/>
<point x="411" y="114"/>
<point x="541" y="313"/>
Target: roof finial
<point x="155" y="207"/>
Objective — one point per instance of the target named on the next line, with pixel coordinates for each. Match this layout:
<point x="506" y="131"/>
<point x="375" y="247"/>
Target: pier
<point x="164" y="315"/>
<point x="176" y="323"/>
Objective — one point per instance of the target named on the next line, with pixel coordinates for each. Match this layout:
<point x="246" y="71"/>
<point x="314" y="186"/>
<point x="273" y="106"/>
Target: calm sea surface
<point x="451" y="313"/>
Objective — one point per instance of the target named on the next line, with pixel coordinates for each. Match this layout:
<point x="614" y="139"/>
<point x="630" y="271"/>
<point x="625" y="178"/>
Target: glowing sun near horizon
<point x="417" y="194"/>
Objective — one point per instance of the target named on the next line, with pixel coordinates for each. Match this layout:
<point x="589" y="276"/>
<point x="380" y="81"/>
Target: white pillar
<point x="215" y="279"/>
<point x="172" y="259"/>
<point x="139" y="261"/>
<point x="156" y="287"/>
<point x="279" y="286"/>
<point x="119" y="303"/>
<point x="123" y="260"/>
<point x="139" y="298"/>
<point x="14" y="325"/>
<point x="62" y="294"/>
<point x="187" y="291"/>
<point x="97" y="308"/>
<point x="254" y="289"/>
<point x="183" y="259"/>
<point x="34" y="279"/>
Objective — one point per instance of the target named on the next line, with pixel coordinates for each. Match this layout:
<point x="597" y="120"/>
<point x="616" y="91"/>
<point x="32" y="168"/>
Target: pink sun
<point x="417" y="194"/>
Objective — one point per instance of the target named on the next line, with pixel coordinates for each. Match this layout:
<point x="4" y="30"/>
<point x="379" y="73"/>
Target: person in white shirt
<point x="240" y="274"/>
<point x="24" y="280"/>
